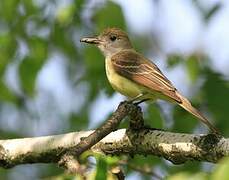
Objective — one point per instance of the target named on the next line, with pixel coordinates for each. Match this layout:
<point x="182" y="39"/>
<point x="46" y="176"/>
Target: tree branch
<point x="110" y="125"/>
<point x="124" y="109"/>
<point x="175" y="147"/>
<point x="63" y="149"/>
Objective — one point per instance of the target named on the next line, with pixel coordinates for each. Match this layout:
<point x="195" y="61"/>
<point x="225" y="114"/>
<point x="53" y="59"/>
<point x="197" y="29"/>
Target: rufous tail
<point x="188" y="107"/>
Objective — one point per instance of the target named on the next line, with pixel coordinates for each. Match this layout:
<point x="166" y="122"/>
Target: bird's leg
<point x="141" y="101"/>
<point x="139" y="98"/>
<point x="136" y="98"/>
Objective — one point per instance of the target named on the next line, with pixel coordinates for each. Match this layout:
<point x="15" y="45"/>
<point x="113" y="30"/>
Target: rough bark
<point x="175" y="147"/>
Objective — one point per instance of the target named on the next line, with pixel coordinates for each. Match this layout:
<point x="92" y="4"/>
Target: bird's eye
<point x="113" y="38"/>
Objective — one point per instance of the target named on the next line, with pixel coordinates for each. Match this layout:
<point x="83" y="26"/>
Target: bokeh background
<point x="52" y="84"/>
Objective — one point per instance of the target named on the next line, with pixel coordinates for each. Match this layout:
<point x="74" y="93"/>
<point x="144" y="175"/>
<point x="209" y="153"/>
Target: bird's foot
<point x="141" y="101"/>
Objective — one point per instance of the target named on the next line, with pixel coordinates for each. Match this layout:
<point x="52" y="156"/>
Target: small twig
<point x="72" y="165"/>
<point x="109" y="126"/>
<point x="125" y="108"/>
<point x="117" y="171"/>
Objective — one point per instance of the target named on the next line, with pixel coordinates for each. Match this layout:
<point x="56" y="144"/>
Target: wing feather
<point x="142" y="71"/>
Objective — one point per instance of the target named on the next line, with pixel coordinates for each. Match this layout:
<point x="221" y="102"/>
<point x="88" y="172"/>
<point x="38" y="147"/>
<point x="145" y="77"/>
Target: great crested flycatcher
<point x="135" y="76"/>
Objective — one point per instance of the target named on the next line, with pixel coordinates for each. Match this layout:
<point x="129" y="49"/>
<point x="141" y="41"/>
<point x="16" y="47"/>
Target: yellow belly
<point x="122" y="84"/>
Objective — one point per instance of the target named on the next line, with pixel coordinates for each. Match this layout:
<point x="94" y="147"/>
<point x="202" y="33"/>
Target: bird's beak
<point x="91" y="40"/>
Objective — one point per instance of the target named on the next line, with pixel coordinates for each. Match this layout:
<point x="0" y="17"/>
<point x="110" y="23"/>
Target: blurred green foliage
<point x="109" y="16"/>
<point x="101" y="171"/>
<point x="219" y="172"/>
<point x="32" y="63"/>
<point x="157" y="120"/>
<point x="216" y="90"/>
<point x="32" y="31"/>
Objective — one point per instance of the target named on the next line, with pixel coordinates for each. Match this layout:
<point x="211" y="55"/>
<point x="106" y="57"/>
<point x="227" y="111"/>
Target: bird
<point x="135" y="76"/>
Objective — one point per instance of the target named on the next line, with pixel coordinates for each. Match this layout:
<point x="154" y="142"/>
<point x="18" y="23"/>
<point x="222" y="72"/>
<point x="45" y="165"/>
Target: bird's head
<point x="110" y="41"/>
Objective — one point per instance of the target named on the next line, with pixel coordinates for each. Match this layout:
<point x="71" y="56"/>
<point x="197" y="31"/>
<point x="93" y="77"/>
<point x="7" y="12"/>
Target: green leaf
<point x="210" y="13"/>
<point x="141" y="160"/>
<point x="174" y="60"/>
<point x="62" y="39"/>
<point x="188" y="176"/>
<point x="6" y="94"/>
<point x="79" y="121"/>
<point x="8" y="47"/>
<point x="192" y="66"/>
<point x="95" y="62"/>
<point x="65" y="15"/>
<point x="95" y="70"/>
<point x="216" y="94"/>
<point x="112" y="160"/>
<point x="184" y="122"/>
<point x="191" y="167"/>
<point x="78" y="11"/>
<point x="28" y="70"/>
<point x="221" y="171"/>
<point x="101" y="169"/>
<point x="8" y="9"/>
<point x="31" y="64"/>
<point x="38" y="49"/>
<point x="153" y="117"/>
<point x="29" y="6"/>
<point x="109" y="16"/>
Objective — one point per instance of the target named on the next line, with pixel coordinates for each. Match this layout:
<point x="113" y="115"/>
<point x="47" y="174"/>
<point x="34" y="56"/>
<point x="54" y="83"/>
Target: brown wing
<point x="142" y="71"/>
